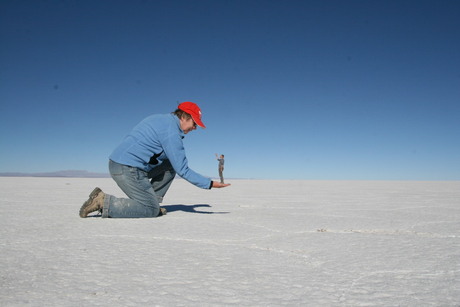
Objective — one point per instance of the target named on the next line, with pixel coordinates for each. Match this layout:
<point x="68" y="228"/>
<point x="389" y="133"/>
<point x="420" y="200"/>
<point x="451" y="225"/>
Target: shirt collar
<point x="181" y="132"/>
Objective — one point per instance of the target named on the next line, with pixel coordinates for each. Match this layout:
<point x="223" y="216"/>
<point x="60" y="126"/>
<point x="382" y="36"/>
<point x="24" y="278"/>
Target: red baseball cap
<point x="194" y="111"/>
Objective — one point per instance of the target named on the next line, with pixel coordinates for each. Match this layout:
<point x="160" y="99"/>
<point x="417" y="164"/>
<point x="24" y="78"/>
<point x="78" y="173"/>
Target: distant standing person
<point x="221" y="167"/>
<point x="145" y="164"/>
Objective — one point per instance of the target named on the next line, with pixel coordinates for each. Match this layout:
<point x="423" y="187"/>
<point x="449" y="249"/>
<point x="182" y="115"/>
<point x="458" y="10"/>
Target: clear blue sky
<point x="289" y="89"/>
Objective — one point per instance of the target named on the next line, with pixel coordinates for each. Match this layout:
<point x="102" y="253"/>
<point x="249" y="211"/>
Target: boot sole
<point x="93" y="195"/>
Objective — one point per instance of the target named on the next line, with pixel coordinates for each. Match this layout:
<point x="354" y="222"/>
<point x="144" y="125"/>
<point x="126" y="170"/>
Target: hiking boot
<point x="95" y="202"/>
<point x="162" y="212"/>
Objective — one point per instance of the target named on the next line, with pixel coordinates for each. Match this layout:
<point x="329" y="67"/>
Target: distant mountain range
<point x="71" y="174"/>
<point x="67" y="173"/>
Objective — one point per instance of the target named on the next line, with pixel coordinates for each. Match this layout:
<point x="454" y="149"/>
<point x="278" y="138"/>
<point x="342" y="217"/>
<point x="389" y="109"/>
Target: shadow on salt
<point x="191" y="209"/>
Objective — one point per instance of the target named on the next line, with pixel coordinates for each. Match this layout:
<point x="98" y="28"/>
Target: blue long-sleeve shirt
<point x="155" y="139"/>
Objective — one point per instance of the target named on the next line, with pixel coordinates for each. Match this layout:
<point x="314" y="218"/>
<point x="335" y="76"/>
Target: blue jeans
<point x="145" y="190"/>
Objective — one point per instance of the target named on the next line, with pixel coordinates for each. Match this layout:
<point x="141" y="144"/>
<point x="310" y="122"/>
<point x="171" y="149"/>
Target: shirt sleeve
<point x="175" y="152"/>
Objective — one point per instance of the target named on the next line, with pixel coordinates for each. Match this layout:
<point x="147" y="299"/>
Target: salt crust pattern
<point x="256" y="243"/>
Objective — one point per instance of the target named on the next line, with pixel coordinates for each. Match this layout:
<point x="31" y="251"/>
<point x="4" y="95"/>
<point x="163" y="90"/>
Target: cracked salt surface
<point x="256" y="243"/>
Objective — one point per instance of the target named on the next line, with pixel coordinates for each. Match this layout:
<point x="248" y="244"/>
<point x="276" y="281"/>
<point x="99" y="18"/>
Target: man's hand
<point x="216" y="184"/>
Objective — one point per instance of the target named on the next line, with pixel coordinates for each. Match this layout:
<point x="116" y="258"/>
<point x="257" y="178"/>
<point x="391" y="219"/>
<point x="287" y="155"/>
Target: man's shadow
<point x="190" y="209"/>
